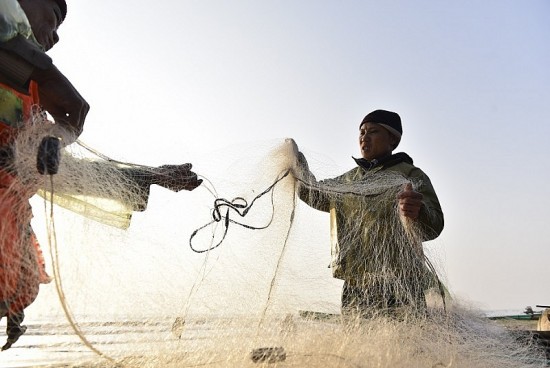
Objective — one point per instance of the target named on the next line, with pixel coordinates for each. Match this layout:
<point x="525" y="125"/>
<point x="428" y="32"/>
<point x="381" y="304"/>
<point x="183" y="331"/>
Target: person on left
<point x="29" y="79"/>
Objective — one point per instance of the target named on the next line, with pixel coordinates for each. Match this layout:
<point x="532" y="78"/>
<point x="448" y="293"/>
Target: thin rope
<point x="241" y="207"/>
<point x="281" y="256"/>
<point x="54" y="254"/>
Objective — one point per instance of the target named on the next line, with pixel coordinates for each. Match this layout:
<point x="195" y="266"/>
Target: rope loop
<point x="240" y="206"/>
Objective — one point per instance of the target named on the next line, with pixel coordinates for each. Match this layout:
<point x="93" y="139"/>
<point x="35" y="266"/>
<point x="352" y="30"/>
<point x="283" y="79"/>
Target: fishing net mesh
<point x="233" y="274"/>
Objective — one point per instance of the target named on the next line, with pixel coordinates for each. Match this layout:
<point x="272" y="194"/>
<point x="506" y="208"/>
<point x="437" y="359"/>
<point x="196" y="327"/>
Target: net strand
<point x="54" y="254"/>
<point x="281" y="255"/>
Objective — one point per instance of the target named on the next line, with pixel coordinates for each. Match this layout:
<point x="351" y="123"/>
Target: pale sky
<point x="172" y="81"/>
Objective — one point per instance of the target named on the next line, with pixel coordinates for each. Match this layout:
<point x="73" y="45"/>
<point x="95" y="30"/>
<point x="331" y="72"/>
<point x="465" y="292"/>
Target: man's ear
<point x="394" y="141"/>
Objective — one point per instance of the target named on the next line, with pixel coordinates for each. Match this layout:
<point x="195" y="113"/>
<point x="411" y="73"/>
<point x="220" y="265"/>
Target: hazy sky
<point x="172" y="81"/>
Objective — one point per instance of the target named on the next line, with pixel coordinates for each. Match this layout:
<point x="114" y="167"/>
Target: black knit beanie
<point x="62" y="6"/>
<point x="388" y="119"/>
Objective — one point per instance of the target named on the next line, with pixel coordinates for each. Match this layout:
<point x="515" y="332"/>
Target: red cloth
<point x="22" y="265"/>
<point x="19" y="266"/>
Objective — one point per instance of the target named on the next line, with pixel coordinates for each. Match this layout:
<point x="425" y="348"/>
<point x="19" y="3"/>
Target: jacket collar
<point x="384" y="162"/>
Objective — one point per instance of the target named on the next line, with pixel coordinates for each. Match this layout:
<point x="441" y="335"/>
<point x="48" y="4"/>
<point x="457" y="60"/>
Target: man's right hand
<point x="61" y="100"/>
<point x="302" y="162"/>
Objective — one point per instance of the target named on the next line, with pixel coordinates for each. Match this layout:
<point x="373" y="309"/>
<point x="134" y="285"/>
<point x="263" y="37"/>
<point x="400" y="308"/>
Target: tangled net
<point x="233" y="274"/>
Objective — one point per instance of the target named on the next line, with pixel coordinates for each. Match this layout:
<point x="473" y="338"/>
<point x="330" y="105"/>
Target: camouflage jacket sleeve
<point x="431" y="216"/>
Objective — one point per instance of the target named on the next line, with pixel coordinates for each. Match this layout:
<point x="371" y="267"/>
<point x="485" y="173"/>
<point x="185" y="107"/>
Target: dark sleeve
<point x="139" y="180"/>
<point x="19" y="57"/>
<point x="312" y="194"/>
<point x="321" y="195"/>
<point x="128" y="185"/>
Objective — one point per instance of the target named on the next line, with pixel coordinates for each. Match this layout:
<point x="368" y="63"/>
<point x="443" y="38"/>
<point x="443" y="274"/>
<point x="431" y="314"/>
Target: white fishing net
<point x="233" y="274"/>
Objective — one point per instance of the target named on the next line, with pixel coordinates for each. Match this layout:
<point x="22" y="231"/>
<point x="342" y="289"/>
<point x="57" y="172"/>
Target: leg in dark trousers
<point x="14" y="329"/>
<point x="382" y="299"/>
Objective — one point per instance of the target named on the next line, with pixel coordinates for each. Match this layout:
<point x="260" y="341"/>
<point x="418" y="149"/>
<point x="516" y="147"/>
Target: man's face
<point x="375" y="141"/>
<point x="44" y="17"/>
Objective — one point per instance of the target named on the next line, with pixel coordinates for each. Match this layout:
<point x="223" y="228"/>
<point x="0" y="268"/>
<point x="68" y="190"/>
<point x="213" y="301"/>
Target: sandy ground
<point x="307" y="343"/>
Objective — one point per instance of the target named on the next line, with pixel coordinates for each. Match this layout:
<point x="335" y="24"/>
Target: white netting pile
<point x="180" y="289"/>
